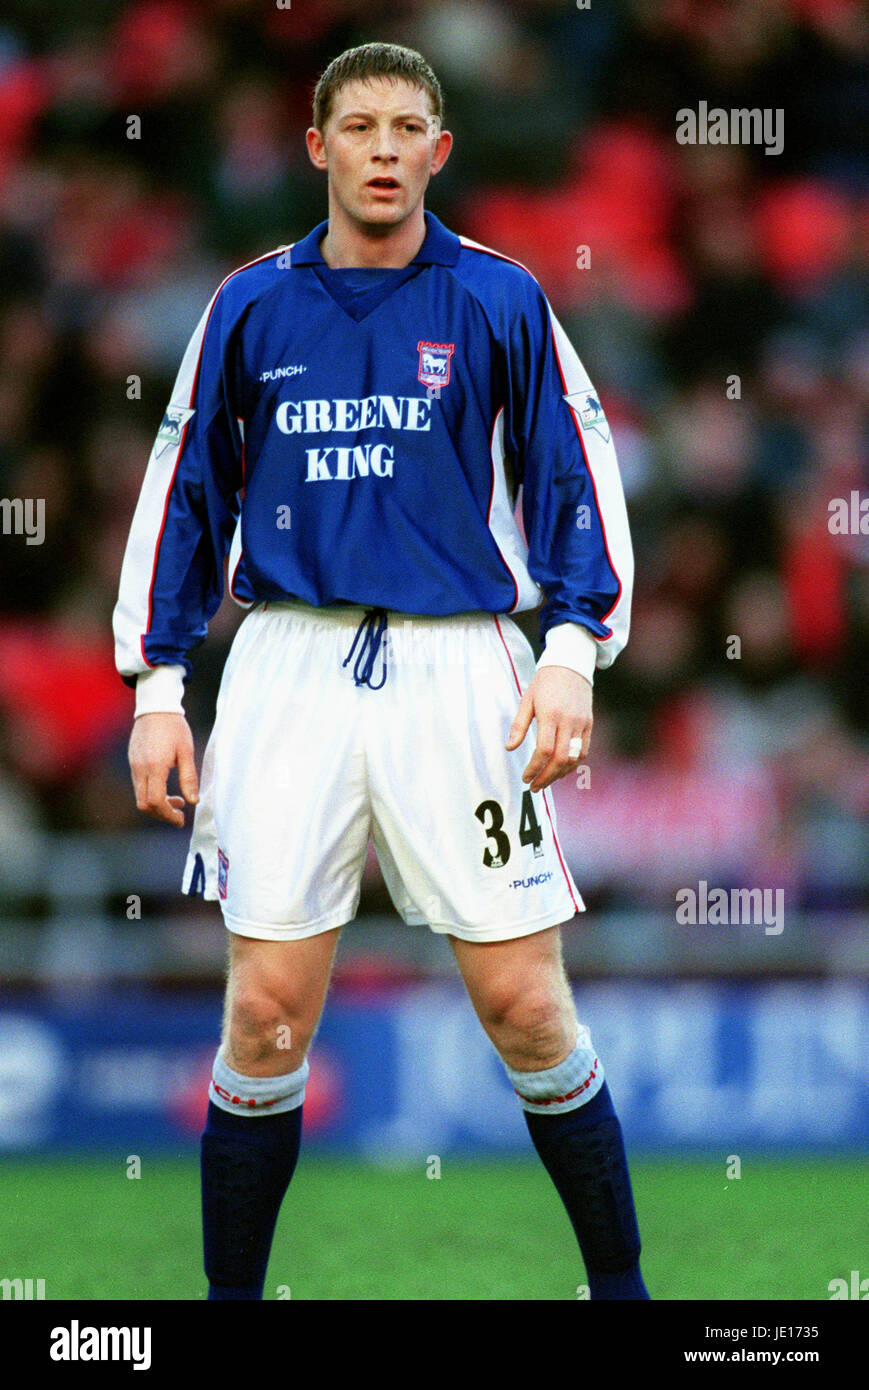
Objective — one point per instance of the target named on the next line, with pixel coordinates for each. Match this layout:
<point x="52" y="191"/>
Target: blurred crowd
<point x="717" y="294"/>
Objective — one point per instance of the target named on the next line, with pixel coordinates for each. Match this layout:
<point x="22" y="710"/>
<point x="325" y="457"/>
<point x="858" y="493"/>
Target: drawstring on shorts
<point x="372" y="630"/>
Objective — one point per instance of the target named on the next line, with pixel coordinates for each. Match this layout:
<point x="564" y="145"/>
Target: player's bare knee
<point x="259" y="1028"/>
<point x="498" y="1001"/>
<point x="539" y="1029"/>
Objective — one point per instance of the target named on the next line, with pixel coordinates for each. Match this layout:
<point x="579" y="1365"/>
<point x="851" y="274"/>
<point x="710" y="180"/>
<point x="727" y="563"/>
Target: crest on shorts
<point x="169" y="433"/>
<point x="222" y="871"/>
<point x="590" y="412"/>
<point x="434" y="363"/>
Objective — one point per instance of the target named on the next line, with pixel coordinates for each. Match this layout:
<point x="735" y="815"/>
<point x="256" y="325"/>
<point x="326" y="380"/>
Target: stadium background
<point x="708" y="264"/>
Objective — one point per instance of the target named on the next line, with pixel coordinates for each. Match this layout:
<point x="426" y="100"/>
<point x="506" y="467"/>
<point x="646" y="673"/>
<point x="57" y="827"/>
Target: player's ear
<point x="316" y="148"/>
<point x="441" y="152"/>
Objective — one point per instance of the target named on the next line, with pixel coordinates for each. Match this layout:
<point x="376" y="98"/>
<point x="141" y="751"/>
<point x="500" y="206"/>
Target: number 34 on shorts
<point x="498" y="850"/>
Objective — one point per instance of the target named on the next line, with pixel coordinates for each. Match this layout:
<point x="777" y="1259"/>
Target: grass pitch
<point x="493" y="1231"/>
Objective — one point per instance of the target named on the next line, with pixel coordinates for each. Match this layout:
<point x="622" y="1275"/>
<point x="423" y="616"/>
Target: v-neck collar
<point x="359" y="292"/>
<point x="440" y="247"/>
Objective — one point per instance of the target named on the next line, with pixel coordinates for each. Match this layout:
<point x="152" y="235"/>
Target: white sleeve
<point x="160" y="691"/>
<point x="571" y="645"/>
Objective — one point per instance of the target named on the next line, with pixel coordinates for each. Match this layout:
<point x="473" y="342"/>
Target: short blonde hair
<point x="375" y="60"/>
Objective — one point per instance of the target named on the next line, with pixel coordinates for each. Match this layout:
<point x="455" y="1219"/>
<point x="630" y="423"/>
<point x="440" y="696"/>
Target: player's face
<point x="380" y="145"/>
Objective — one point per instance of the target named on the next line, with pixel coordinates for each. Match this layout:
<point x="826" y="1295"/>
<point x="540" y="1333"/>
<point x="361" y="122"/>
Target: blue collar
<point x="441" y="247"/>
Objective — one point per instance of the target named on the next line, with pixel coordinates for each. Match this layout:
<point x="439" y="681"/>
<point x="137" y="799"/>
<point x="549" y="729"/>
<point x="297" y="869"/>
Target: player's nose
<point x="384" y="144"/>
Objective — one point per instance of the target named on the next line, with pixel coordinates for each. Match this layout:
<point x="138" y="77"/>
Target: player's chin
<point x="384" y="214"/>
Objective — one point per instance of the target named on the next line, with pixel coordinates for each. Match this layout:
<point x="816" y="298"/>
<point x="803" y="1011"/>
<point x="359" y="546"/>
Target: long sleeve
<point x="172" y="575"/>
<point x="576" y="524"/>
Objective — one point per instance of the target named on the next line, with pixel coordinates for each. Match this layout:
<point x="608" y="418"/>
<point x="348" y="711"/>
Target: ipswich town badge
<point x="434" y="363"/>
<point x="222" y="873"/>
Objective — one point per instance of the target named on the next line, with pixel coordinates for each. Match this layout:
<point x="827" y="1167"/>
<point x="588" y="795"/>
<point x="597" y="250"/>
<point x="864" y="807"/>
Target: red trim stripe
<point x="543" y="793"/>
<point x="489" y="511"/>
<point x="559" y="1100"/>
<point x="240" y="421"/>
<point x="488" y="251"/>
<point x="233" y="578"/>
<point x="558" y="850"/>
<point x="576" y="426"/>
<point x="183" y="440"/>
<point x="166" y="506"/>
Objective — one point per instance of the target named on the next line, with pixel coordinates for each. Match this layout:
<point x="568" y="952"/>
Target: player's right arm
<point x="158" y="743"/>
<point x="172" y="574"/>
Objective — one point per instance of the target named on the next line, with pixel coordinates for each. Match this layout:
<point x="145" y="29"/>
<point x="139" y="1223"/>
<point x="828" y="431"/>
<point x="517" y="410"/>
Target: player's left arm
<point x="560" y="700"/>
<point x="579" y="545"/>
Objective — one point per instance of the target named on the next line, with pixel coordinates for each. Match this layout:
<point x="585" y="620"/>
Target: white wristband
<point x="160" y="691"/>
<point x="568" y="644"/>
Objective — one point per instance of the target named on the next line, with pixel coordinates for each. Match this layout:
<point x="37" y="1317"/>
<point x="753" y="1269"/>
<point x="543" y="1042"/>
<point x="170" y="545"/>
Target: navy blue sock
<point x="246" y="1163"/>
<point x="584" y="1154"/>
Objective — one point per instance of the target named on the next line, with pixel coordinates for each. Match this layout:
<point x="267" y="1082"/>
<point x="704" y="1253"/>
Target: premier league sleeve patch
<point x="434" y="363"/>
<point x="590" y="412"/>
<point x="169" y="433"/>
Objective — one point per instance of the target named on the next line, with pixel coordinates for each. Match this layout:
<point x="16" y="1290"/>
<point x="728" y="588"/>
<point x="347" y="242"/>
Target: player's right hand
<point x="158" y="743"/>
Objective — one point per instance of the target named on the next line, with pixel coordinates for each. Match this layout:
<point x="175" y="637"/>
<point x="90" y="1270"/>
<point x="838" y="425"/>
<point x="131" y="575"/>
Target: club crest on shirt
<point x="590" y="412"/>
<point x="434" y="363"/>
<point x="169" y="433"/>
<point x="222" y="872"/>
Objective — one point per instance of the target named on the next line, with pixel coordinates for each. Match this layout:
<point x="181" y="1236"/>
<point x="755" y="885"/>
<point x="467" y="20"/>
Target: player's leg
<point x="275" y="992"/>
<point x="279" y="839"/>
<point x="521" y="996"/>
<point x="466" y="846"/>
<point x="274" y="997"/>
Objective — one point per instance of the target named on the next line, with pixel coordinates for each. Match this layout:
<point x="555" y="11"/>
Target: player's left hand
<point x="560" y="700"/>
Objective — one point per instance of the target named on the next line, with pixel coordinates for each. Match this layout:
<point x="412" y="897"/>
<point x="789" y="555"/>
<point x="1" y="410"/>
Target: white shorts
<point x="303" y="766"/>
